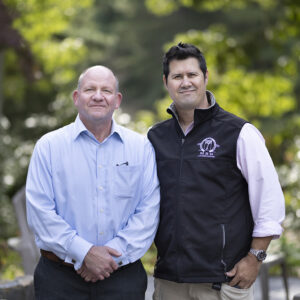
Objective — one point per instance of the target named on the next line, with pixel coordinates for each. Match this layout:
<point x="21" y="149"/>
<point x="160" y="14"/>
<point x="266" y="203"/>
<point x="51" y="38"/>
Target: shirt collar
<point x="79" y="127"/>
<point x="117" y="129"/>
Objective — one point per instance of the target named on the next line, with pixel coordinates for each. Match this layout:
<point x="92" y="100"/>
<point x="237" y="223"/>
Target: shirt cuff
<point x="77" y="251"/>
<point x="270" y="228"/>
<point x="115" y="243"/>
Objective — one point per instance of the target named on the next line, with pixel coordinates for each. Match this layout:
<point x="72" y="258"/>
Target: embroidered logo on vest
<point x="207" y="148"/>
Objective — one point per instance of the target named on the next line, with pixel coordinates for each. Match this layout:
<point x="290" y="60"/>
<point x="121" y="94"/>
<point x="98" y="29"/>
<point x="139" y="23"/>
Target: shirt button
<point x="100" y="188"/>
<point x="100" y="166"/>
<point x="101" y="210"/>
<point x="101" y="233"/>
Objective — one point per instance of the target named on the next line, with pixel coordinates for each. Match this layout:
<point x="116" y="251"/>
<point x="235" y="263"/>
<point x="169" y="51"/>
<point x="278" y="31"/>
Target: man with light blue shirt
<point x="92" y="200"/>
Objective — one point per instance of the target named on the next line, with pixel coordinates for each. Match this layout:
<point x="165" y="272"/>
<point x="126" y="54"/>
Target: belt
<point x="51" y="256"/>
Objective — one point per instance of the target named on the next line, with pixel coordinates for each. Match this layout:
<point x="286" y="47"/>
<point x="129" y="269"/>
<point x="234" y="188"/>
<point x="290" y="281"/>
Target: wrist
<point x="258" y="254"/>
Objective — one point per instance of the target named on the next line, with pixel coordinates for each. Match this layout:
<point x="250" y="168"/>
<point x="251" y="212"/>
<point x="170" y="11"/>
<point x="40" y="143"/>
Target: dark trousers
<point x="54" y="281"/>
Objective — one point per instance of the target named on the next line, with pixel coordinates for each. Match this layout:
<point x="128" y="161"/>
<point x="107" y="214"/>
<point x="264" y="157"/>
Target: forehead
<point x="99" y="76"/>
<point x="184" y="65"/>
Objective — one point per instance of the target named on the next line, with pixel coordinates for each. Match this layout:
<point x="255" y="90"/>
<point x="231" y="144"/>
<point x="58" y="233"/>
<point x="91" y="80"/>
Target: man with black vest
<point x="221" y="200"/>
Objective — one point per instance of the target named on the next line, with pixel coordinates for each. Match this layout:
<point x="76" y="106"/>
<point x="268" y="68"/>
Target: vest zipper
<point x="177" y="234"/>
<point x="223" y="248"/>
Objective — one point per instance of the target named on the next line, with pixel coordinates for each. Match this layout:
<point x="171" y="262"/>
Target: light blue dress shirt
<point x="81" y="192"/>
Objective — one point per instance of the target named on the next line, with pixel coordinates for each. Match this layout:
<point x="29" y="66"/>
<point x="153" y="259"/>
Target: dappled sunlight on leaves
<point x="255" y="95"/>
<point x="162" y="8"/>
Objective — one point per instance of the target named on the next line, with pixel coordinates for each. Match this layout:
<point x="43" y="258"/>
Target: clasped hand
<point x="98" y="264"/>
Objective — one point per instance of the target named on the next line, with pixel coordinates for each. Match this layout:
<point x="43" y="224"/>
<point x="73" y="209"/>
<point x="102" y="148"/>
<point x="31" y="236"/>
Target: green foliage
<point x="161" y="106"/>
<point x="10" y="263"/>
<point x="145" y="119"/>
<point x="255" y="95"/>
<point x="290" y="247"/>
<point x="149" y="260"/>
<point x="162" y="7"/>
<point x="166" y="7"/>
<point x="8" y="222"/>
<point x="43" y="24"/>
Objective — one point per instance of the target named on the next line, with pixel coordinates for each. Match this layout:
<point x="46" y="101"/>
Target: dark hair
<point x="180" y="52"/>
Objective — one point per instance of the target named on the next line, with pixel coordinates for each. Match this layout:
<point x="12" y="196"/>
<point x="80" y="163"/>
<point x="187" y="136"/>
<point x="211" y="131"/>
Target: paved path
<point x="276" y="288"/>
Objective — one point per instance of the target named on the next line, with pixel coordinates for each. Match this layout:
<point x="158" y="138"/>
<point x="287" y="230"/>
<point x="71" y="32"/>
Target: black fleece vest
<point x="205" y="221"/>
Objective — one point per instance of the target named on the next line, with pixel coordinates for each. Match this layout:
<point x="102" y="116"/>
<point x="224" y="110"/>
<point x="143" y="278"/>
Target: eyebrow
<point x="91" y="85"/>
<point x="179" y="74"/>
<point x="87" y="86"/>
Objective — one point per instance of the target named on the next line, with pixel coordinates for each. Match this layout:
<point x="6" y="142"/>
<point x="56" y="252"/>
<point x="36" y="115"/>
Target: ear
<point x="75" y="97"/>
<point x="119" y="100"/>
<point x="206" y="78"/>
<point x="165" y="81"/>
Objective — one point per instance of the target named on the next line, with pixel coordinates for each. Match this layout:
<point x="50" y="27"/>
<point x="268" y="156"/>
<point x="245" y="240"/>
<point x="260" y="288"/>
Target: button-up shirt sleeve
<point x="136" y="237"/>
<point x="51" y="230"/>
<point x="265" y="194"/>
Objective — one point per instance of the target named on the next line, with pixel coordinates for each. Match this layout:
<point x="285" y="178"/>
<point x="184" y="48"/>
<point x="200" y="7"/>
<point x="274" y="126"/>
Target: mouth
<point x="186" y="91"/>
<point x="97" y="106"/>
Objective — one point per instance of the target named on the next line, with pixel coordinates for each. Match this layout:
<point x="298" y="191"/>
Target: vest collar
<point x="200" y="115"/>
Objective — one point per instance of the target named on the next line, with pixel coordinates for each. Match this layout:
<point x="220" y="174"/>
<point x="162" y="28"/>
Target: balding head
<point x="96" y="69"/>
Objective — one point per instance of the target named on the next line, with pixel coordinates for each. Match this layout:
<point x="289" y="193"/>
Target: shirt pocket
<point x="126" y="181"/>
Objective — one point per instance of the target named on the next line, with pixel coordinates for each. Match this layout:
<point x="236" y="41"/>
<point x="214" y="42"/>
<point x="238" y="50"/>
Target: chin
<point x="189" y="103"/>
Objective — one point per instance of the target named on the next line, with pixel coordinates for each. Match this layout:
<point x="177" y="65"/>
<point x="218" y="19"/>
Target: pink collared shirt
<point x="265" y="193"/>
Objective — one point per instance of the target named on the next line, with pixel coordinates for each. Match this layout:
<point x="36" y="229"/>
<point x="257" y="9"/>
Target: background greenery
<point x="252" y="49"/>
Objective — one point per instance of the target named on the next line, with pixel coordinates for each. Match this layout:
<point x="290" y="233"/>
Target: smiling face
<point x="97" y="97"/>
<point x="186" y="84"/>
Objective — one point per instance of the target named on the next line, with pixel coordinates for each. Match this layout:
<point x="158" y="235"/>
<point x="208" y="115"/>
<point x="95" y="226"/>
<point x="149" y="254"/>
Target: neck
<point x="185" y="118"/>
<point x="101" y="131"/>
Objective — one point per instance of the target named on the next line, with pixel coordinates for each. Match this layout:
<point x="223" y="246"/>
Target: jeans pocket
<point x="236" y="293"/>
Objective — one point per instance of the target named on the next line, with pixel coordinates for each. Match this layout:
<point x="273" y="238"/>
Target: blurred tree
<point x="37" y="60"/>
<point x="125" y="36"/>
<point x="43" y="25"/>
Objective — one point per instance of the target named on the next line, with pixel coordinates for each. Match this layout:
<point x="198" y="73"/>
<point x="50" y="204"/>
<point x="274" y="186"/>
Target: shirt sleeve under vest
<point x="265" y="193"/>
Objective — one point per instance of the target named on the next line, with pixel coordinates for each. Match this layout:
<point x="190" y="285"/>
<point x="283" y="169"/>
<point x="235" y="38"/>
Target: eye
<point x="89" y="89"/>
<point x="107" y="91"/>
<point x="177" y="76"/>
<point x="192" y="75"/>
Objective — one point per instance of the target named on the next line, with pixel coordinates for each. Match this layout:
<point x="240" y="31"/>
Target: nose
<point x="185" y="82"/>
<point x="97" y="96"/>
